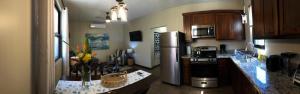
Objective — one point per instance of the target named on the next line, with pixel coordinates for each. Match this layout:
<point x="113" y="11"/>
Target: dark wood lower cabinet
<point x="229" y="73"/>
<point x="186" y="71"/>
<point x="240" y="83"/>
<point x="224" y="72"/>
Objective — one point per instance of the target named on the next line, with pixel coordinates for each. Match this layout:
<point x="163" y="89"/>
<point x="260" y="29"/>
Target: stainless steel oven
<point x="203" y="31"/>
<point x="204" y="67"/>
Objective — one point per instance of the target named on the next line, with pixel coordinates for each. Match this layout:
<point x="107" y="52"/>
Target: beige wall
<point x="115" y="32"/>
<point x="283" y="45"/>
<point x="58" y="70"/>
<point x="173" y="20"/>
<point x="15" y="48"/>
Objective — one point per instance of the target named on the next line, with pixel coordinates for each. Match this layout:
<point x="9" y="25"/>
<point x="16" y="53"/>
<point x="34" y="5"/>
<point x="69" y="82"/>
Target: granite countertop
<point x="219" y="55"/>
<point x="267" y="82"/>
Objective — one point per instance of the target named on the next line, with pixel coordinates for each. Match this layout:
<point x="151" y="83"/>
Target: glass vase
<point x="86" y="76"/>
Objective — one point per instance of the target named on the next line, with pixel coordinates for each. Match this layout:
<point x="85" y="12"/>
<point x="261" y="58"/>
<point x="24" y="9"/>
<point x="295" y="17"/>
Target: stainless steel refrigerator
<point x="172" y="47"/>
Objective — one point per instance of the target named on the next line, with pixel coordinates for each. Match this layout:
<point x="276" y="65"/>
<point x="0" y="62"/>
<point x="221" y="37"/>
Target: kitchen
<point x="259" y="66"/>
<point x="165" y="46"/>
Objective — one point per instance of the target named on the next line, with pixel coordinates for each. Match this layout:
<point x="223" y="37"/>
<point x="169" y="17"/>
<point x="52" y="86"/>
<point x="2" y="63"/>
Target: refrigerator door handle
<point x="176" y="57"/>
<point x="177" y="54"/>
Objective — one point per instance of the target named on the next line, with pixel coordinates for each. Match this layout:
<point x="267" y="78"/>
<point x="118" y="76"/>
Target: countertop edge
<point x="247" y="76"/>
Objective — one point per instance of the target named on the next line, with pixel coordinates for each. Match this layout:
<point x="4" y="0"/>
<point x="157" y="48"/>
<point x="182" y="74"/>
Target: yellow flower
<point x="80" y="55"/>
<point x="87" y="58"/>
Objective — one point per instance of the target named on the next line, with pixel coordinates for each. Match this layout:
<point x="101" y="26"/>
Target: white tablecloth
<point x="74" y="87"/>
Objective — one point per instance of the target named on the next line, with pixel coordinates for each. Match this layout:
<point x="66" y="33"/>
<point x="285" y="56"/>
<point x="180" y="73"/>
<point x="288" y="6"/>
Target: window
<point x="258" y="43"/>
<point x="57" y="32"/>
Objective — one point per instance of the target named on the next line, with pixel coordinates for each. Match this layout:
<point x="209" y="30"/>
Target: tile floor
<point x="162" y="88"/>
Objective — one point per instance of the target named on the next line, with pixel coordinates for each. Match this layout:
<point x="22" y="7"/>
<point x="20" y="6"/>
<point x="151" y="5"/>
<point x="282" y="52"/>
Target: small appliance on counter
<point x="223" y="49"/>
<point x="274" y="63"/>
<point x="288" y="65"/>
<point x="204" y="67"/>
<point x="296" y="78"/>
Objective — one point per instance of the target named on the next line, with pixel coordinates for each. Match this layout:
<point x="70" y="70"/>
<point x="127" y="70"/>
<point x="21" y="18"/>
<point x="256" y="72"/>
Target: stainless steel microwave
<point x="203" y="31"/>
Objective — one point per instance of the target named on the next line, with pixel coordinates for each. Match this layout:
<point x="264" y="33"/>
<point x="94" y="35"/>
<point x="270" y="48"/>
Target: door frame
<point x="43" y="64"/>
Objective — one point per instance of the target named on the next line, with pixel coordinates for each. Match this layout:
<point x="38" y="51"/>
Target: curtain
<point x="65" y="44"/>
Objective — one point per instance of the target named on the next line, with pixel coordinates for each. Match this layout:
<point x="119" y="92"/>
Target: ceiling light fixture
<point x="119" y="12"/>
<point x="107" y="20"/>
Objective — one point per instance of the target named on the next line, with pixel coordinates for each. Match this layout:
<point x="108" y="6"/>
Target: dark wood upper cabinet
<point x="289" y="17"/>
<point x="265" y="18"/>
<point x="276" y="19"/>
<point x="203" y="19"/>
<point x="229" y="26"/>
<point x="187" y="21"/>
<point x="258" y="19"/>
<point x="228" y="23"/>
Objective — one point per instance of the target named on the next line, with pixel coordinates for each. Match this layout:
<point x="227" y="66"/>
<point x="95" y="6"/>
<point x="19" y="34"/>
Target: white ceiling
<point x="94" y="10"/>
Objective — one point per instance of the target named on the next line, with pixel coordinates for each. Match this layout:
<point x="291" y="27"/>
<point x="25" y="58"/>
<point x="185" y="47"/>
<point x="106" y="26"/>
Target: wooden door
<point x="203" y="19"/>
<point x="186" y="71"/>
<point x="238" y="28"/>
<point x="270" y="12"/>
<point x="223" y="26"/>
<point x="187" y="27"/>
<point x="258" y="18"/>
<point x="224" y="71"/>
<point x="289" y="17"/>
<point x="229" y="26"/>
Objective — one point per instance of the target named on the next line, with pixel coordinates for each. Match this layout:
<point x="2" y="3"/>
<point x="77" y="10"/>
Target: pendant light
<point x="119" y="12"/>
<point x="122" y="12"/>
<point x="114" y="14"/>
<point x="244" y="14"/>
<point x="107" y="20"/>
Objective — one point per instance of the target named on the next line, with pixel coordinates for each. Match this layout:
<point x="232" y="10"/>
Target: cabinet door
<point x="223" y="26"/>
<point x="203" y="19"/>
<point x="237" y="27"/>
<point x="224" y="71"/>
<point x="289" y="17"/>
<point x="229" y="26"/>
<point x="187" y="27"/>
<point x="186" y="71"/>
<point x="258" y="19"/>
<point x="270" y="18"/>
<point x="235" y="79"/>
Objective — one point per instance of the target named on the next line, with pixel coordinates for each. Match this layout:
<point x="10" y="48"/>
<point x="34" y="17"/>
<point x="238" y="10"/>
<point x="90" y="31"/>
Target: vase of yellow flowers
<point x="85" y="59"/>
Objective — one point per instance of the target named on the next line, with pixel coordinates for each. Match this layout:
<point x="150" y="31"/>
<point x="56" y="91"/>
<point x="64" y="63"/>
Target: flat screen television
<point x="135" y="36"/>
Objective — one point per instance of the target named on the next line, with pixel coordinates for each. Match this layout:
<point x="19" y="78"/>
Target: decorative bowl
<point x="114" y="79"/>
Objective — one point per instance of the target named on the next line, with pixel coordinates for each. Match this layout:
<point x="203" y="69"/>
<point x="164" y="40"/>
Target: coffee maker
<point x="223" y="49"/>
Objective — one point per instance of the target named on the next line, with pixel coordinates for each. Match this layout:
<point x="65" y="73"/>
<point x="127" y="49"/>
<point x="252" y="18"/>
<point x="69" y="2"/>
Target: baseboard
<point x="155" y="66"/>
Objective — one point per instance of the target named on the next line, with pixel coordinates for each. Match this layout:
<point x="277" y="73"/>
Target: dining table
<point x="136" y="84"/>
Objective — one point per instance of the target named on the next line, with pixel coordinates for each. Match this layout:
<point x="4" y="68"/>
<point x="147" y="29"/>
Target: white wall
<point x="115" y="32"/>
<point x="15" y="48"/>
<point x="171" y="18"/>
